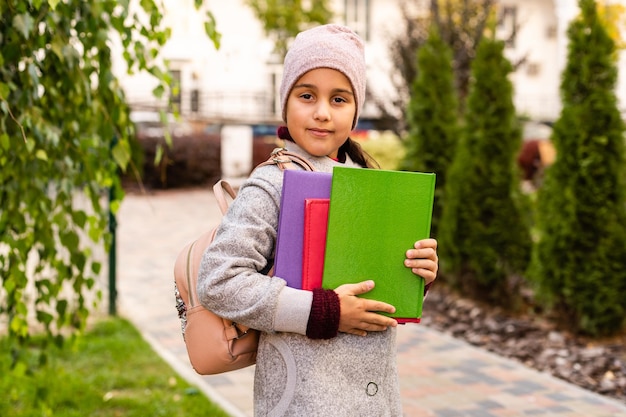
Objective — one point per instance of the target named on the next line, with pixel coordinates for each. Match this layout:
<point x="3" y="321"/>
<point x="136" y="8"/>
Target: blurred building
<point x="240" y="81"/>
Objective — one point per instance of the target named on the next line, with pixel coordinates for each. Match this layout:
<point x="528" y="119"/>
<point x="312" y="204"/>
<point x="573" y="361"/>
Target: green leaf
<point x="30" y="144"/>
<point x="168" y="137"/>
<point x="156" y="72"/>
<point x="61" y="307"/>
<point x="4" y="90"/>
<point x="44" y="317"/>
<point x="69" y="239"/>
<point x="114" y="206"/>
<point x="18" y="326"/>
<point x="148" y="6"/>
<point x="158" y="155"/>
<point x="121" y="154"/>
<point x="80" y="218"/>
<point x="9" y="285"/>
<point x="158" y="91"/>
<point x="23" y="23"/>
<point x="94" y="231"/>
<point x="56" y="46"/>
<point x="5" y="142"/>
<point x="41" y="154"/>
<point x="210" y="28"/>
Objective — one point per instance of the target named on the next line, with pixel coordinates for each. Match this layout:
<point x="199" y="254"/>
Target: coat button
<point x="371" y="389"/>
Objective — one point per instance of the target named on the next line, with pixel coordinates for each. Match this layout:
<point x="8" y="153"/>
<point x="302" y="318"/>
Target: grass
<point x="110" y="371"/>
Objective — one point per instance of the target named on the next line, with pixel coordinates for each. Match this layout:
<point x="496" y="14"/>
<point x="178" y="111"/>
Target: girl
<point x="325" y="352"/>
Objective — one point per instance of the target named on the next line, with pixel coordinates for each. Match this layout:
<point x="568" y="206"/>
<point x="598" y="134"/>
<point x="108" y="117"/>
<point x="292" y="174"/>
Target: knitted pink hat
<point x="327" y="46"/>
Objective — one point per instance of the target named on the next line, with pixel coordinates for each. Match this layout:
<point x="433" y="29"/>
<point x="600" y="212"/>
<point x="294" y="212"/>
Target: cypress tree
<point x="484" y="241"/>
<point x="432" y="117"/>
<point x="579" y="261"/>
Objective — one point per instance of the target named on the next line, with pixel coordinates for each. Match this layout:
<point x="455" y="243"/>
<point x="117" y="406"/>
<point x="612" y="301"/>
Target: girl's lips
<point x="319" y="132"/>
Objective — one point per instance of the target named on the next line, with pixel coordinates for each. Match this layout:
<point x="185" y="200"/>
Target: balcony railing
<point x="216" y="107"/>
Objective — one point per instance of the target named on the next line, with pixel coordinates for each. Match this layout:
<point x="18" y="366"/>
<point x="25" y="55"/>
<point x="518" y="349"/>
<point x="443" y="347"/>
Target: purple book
<point x="297" y="186"/>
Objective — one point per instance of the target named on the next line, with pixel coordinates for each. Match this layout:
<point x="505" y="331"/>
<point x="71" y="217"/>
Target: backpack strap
<point x="220" y="189"/>
<point x="285" y="159"/>
<point x="280" y="157"/>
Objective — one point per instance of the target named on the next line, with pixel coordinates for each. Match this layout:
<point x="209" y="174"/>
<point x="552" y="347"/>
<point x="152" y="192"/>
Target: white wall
<point x="238" y="73"/>
<point x="237" y="69"/>
<point x="537" y="57"/>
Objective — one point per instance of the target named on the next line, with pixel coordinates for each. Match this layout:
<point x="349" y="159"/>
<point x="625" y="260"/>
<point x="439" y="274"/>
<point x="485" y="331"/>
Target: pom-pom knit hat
<point x="328" y="46"/>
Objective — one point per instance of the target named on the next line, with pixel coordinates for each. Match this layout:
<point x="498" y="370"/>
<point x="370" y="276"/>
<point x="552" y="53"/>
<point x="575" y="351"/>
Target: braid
<point x="355" y="151"/>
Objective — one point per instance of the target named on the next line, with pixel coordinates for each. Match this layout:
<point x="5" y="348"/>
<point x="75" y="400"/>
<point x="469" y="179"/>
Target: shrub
<point x="484" y="240"/>
<point x="432" y="118"/>
<point x="579" y="262"/>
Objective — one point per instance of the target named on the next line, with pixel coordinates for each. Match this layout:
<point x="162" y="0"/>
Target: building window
<point x="357" y="17"/>
<point x="533" y="69"/>
<point x="274" y="104"/>
<point x="507" y="25"/>
<point x="195" y="101"/>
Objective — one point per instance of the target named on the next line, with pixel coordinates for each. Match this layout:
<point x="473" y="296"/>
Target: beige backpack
<point x="215" y="344"/>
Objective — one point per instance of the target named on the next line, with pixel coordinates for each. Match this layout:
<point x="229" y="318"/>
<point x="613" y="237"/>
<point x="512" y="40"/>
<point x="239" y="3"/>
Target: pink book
<point x="314" y="245"/>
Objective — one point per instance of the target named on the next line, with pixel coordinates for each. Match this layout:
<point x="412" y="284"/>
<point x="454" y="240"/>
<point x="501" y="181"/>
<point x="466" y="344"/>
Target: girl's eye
<point x="306" y="96"/>
<point x="339" y="100"/>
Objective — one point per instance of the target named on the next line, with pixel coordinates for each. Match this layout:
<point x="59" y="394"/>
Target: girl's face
<point x="320" y="111"/>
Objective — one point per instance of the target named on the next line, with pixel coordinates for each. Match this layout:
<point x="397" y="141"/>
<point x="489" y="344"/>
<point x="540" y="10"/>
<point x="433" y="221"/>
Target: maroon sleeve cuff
<point x="324" y="318"/>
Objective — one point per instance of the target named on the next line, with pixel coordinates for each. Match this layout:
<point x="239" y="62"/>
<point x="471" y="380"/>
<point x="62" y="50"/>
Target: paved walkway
<point x="440" y="376"/>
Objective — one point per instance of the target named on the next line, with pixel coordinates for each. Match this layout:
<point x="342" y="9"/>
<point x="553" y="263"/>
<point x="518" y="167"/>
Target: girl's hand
<point x="423" y="259"/>
<point x="359" y="315"/>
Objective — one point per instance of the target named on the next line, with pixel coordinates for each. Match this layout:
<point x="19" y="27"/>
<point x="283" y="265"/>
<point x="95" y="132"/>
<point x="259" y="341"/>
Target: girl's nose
<point x="322" y="111"/>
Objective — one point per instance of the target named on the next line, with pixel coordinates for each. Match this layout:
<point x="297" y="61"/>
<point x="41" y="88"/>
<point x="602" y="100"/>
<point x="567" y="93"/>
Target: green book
<point x="375" y="216"/>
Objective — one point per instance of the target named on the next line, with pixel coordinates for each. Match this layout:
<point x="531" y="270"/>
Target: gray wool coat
<point x="295" y="376"/>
